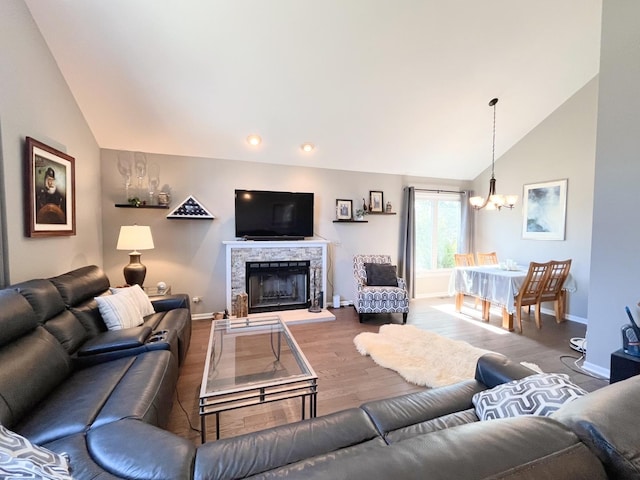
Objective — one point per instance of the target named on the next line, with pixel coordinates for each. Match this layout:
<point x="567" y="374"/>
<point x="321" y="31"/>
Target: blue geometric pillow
<point x="19" y="458"/>
<point x="540" y="394"/>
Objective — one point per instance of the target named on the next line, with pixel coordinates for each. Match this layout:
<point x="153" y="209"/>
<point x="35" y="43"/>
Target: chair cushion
<point x="381" y="275"/>
<point x="540" y="394"/>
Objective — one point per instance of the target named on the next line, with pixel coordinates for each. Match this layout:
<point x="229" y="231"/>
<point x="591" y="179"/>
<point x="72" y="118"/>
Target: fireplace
<point x="277" y="285"/>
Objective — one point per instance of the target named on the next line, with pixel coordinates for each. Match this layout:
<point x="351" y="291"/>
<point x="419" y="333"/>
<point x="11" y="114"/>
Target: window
<point x="437" y="218"/>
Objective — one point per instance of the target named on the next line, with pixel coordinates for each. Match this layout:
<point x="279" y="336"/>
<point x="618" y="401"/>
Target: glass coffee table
<point x="252" y="361"/>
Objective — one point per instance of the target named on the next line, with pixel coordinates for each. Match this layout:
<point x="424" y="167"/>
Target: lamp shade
<point x="135" y="237"/>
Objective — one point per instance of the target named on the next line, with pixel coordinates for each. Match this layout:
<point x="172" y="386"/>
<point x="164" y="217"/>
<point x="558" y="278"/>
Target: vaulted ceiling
<point x="390" y="86"/>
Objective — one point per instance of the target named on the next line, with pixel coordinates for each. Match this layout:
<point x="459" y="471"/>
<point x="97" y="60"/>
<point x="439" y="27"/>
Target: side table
<point x="156" y="292"/>
<point x="623" y="366"/>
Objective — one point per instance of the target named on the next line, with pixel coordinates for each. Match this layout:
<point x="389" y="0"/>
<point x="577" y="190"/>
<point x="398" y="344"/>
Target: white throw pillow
<point x="540" y="394"/>
<point x="19" y="458"/>
<point x="119" y="311"/>
<point x="140" y="299"/>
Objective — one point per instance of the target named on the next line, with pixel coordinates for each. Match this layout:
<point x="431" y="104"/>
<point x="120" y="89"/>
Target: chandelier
<point x="493" y="200"/>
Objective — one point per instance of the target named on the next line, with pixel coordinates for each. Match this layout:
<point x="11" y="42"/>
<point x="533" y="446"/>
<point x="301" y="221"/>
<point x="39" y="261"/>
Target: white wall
<point x="562" y="146"/>
<point x="189" y="254"/>
<point x="35" y="101"/>
<point x="615" y="259"/>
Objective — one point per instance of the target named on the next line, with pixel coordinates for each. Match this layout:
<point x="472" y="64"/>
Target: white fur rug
<point x="419" y="356"/>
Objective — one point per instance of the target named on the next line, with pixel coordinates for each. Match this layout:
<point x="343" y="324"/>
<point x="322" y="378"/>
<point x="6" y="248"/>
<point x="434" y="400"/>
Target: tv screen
<point x="273" y="214"/>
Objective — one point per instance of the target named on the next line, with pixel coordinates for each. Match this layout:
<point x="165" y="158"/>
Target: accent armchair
<point x="382" y="291"/>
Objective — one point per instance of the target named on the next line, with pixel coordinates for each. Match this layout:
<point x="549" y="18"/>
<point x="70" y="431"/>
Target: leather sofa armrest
<point x="494" y="369"/>
<point x="114" y="340"/>
<point x="130" y="448"/>
<point x="169" y="302"/>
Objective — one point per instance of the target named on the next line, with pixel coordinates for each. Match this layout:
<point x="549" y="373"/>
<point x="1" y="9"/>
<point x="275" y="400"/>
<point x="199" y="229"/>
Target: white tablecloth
<point x="490" y="282"/>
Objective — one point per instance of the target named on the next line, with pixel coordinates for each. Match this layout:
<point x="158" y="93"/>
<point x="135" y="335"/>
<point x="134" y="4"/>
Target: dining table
<point x="495" y="285"/>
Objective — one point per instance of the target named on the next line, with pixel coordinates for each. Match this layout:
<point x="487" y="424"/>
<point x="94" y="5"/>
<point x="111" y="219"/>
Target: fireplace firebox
<point x="281" y="285"/>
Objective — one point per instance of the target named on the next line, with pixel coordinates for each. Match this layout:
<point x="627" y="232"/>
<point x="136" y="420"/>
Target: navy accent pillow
<point x="381" y="275"/>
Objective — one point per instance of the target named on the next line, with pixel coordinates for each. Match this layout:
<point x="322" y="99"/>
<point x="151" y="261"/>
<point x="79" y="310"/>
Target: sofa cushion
<point x="81" y="284"/>
<point x="540" y="394"/>
<point x="119" y="311"/>
<point x="15" y="306"/>
<point x="381" y="275"/>
<point x="605" y="420"/>
<point x="43" y="297"/>
<point x="31" y="367"/>
<point x="19" y="458"/>
<point x="140" y="299"/>
<point x="283" y="445"/>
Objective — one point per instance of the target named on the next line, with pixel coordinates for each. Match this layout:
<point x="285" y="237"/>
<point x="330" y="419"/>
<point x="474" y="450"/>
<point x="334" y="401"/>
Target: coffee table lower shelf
<point x="250" y="396"/>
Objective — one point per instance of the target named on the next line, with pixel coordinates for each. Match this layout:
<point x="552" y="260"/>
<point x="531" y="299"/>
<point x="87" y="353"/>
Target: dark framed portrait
<point x="50" y="204"/>
<point x="376" y="204"/>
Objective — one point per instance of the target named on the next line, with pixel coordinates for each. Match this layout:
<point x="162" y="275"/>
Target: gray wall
<point x="189" y="254"/>
<point x="615" y="258"/>
<point x="35" y="101"/>
<point x="562" y="146"/>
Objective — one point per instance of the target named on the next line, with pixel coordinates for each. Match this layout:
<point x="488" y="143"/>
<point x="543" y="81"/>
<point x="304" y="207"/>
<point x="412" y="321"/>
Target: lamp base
<point x="135" y="271"/>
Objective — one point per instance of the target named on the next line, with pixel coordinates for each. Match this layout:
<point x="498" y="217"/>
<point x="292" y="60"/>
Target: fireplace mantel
<point x="238" y="252"/>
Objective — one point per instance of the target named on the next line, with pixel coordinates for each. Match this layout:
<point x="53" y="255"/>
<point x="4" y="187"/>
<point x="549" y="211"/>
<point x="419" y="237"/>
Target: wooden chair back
<point x="558" y="273"/>
<point x="464" y="259"/>
<point x="529" y="293"/>
<point x="490" y="258"/>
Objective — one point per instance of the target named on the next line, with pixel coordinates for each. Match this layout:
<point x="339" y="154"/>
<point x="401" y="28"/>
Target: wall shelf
<point x="128" y="205"/>
<point x="381" y="213"/>
<point x="350" y="221"/>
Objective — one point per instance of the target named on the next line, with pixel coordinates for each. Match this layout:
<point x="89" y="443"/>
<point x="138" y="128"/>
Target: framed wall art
<point x="50" y="204"/>
<point x="375" y="201"/>
<point x="344" y="209"/>
<point x="544" y="210"/>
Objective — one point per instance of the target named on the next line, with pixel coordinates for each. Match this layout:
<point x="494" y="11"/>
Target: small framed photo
<point x="344" y="209"/>
<point x="375" y="201"/>
<point x="544" y="210"/>
<point x="50" y="208"/>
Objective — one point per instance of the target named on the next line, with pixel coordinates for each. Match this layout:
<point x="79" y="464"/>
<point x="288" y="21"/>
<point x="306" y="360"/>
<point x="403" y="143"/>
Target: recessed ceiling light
<point x="307" y="147"/>
<point x="254" y="140"/>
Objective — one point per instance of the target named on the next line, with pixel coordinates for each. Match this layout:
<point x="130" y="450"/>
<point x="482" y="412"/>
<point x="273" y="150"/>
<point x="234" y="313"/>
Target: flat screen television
<point x="265" y="215"/>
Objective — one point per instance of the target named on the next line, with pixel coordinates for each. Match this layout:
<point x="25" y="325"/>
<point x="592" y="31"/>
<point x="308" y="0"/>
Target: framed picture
<point x="544" y="210"/>
<point x="344" y="209"/>
<point x="50" y="207"/>
<point x="375" y="201"/>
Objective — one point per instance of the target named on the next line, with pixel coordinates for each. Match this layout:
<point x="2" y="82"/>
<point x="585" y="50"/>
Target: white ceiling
<point x="391" y="86"/>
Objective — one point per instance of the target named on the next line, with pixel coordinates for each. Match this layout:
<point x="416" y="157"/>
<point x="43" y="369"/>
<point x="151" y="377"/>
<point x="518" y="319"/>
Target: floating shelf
<point x="128" y="205"/>
<point x="381" y="213"/>
<point x="350" y="221"/>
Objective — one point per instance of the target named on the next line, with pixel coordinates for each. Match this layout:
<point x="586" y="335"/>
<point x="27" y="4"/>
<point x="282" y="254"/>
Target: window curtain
<point x="465" y="242"/>
<point x="4" y="259"/>
<point x="408" y="225"/>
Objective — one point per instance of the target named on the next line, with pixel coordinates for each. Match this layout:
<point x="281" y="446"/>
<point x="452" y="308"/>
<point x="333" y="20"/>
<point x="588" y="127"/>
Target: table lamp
<point x="135" y="237"/>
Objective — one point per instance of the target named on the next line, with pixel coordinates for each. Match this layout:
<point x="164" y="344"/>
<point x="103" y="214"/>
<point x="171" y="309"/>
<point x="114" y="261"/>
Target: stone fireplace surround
<point x="239" y="252"/>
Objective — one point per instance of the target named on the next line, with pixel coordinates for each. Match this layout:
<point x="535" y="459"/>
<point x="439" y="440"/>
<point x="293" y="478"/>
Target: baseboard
<point x="596" y="370"/>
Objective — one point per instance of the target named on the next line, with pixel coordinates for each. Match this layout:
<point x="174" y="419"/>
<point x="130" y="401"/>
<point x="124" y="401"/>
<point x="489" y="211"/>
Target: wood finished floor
<point x="347" y="379"/>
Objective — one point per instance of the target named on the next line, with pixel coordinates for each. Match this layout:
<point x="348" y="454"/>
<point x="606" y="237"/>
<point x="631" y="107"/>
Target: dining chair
<point x="464" y="259"/>
<point x="487" y="258"/>
<point x="530" y="290"/>
<point x="552" y="289"/>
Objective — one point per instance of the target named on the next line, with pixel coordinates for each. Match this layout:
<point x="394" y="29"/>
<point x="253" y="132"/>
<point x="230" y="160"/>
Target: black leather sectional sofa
<point x="70" y="386"/>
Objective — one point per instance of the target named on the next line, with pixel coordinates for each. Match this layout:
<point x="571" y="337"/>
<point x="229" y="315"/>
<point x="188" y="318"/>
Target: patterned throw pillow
<point x="119" y="311"/>
<point x="19" y="458"/>
<point x="540" y="394"/>
<point x="135" y="293"/>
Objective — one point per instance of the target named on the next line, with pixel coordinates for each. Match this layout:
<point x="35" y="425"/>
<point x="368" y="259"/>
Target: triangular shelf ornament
<point x="191" y="208"/>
